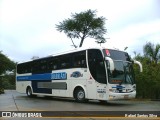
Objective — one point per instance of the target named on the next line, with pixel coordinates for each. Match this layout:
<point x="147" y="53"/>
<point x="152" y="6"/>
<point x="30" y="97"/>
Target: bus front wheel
<point x="80" y="95"/>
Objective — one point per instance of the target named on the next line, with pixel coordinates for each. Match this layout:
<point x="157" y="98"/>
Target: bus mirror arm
<point x="140" y="65"/>
<point x="111" y="63"/>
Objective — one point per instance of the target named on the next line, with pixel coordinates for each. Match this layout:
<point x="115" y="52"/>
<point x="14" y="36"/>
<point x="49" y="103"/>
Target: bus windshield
<point x="122" y="72"/>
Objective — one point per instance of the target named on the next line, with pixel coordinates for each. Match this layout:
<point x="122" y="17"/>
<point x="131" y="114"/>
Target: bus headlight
<point x="111" y="97"/>
<point x="134" y="87"/>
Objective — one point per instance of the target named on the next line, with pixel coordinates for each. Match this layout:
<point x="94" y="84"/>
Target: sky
<point x="27" y="27"/>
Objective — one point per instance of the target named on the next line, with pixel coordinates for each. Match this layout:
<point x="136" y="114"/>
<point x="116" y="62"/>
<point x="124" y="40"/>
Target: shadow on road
<point x="90" y="102"/>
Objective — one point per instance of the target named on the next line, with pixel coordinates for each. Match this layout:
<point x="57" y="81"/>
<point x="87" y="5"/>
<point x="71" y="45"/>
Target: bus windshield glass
<point x="122" y="74"/>
<point x="116" y="55"/>
<point x="123" y="69"/>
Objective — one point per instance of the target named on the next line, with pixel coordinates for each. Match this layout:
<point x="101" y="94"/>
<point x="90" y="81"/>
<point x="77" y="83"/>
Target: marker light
<point x="107" y="52"/>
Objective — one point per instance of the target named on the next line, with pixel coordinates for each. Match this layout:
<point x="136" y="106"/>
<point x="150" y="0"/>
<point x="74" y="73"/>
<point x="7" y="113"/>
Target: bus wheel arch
<point x="79" y="94"/>
<point x="29" y="91"/>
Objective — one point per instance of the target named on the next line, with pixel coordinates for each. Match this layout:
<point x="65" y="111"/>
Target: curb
<point x="155" y="99"/>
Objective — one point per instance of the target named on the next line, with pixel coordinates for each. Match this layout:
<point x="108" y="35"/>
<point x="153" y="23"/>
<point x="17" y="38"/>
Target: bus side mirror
<point x="110" y="63"/>
<point x="140" y="65"/>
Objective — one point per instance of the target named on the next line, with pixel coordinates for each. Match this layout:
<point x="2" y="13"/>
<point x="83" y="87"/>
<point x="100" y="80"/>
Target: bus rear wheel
<point x="80" y="95"/>
<point x="29" y="92"/>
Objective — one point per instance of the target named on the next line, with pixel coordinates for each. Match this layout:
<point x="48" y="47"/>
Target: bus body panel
<point x="91" y="88"/>
<point x="22" y="86"/>
<point x="101" y="91"/>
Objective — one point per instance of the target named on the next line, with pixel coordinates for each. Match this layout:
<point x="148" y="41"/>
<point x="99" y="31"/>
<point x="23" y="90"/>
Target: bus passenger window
<point x="80" y="59"/>
<point x="54" y="67"/>
<point x="65" y="62"/>
<point x="53" y="64"/>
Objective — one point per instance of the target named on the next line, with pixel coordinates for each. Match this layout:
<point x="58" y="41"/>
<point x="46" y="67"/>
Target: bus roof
<point x="70" y="51"/>
<point x="81" y="49"/>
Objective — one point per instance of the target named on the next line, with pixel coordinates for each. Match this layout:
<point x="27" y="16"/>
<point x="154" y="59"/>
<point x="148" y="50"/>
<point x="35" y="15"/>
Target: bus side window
<point x="19" y="68"/>
<point x="53" y="64"/>
<point x="79" y="59"/>
<point x="43" y="65"/>
<point x="36" y="67"/>
<point x="65" y="61"/>
<point x="24" y="68"/>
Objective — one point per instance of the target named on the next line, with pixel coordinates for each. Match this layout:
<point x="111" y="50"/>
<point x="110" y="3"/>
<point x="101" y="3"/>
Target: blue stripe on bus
<point x="46" y="76"/>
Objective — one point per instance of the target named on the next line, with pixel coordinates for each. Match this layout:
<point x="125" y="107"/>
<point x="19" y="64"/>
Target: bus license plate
<point x="126" y="96"/>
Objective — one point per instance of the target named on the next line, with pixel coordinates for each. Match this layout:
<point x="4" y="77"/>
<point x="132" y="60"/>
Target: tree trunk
<point x="81" y="43"/>
<point x="73" y="43"/>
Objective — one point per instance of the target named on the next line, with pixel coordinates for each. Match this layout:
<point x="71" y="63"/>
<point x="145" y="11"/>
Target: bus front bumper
<point x="122" y="96"/>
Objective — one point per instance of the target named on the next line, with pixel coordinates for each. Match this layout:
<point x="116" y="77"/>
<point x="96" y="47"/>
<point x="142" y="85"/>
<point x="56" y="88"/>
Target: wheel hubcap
<point x="29" y="92"/>
<point x="80" y="95"/>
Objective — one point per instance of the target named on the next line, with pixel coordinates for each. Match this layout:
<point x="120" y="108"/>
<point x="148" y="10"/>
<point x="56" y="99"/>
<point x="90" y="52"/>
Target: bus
<point x="83" y="74"/>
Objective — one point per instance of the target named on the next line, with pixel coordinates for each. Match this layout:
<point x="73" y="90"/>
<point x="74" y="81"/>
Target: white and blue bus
<point x="84" y="74"/>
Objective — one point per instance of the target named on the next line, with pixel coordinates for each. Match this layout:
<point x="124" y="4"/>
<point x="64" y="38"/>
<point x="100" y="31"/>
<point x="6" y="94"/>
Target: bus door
<point x="97" y="82"/>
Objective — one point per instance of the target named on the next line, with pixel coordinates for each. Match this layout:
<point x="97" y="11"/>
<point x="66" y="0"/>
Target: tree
<point x="148" y="82"/>
<point x="6" y="65"/>
<point x="83" y="25"/>
<point x="151" y="51"/>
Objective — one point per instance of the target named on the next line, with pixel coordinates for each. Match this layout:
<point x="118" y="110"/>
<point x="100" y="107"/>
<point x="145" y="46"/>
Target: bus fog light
<point x="111" y="97"/>
<point x="111" y="90"/>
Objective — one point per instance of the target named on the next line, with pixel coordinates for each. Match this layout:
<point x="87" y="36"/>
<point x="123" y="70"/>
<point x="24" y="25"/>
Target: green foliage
<point x="148" y="82"/>
<point x="151" y="51"/>
<point x="83" y="25"/>
<point x="6" y="81"/>
<point x="6" y="64"/>
<point x="1" y="90"/>
<point x="9" y="82"/>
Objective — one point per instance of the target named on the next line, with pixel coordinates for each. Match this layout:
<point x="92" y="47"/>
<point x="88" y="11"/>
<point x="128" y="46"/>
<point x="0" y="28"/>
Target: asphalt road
<point x="14" y="101"/>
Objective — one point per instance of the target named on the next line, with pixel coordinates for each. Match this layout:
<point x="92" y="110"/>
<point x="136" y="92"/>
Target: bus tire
<point x="29" y="92"/>
<point x="79" y="95"/>
<point x="103" y="101"/>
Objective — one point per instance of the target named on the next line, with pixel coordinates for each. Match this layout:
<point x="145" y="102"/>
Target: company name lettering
<point x="59" y="76"/>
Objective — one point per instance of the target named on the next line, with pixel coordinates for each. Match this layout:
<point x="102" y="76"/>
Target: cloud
<point x="136" y="35"/>
<point x="28" y="27"/>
